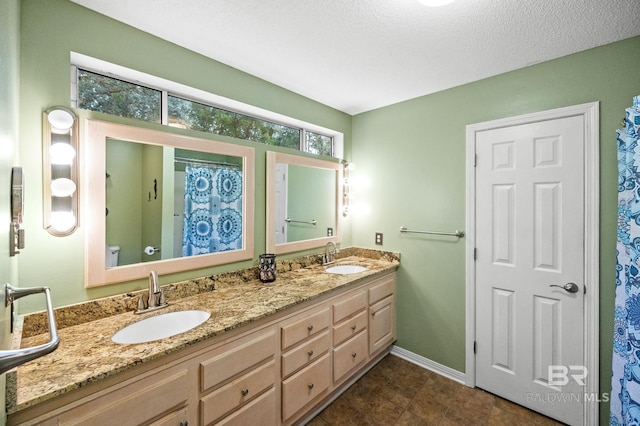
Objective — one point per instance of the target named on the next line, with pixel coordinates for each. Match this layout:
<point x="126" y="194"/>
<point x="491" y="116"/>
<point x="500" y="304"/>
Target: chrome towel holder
<point x="13" y="358"/>
<point x="310" y="222"/>
<point x="456" y="233"/>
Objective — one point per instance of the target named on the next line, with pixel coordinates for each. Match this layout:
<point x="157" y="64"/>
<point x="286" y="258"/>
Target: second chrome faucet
<point x="156" y="298"/>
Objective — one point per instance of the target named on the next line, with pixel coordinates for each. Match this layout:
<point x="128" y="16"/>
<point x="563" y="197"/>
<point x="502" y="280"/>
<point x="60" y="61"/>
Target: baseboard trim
<point x="428" y="364"/>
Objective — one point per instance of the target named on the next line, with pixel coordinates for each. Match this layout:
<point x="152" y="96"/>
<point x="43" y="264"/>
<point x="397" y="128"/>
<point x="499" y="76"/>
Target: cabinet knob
<point x="310" y="327"/>
<point x="310" y="385"/>
<point x="373" y="314"/>
<point x="310" y="353"/>
<point x="245" y="392"/>
<point x="353" y="327"/>
<point x="354" y="354"/>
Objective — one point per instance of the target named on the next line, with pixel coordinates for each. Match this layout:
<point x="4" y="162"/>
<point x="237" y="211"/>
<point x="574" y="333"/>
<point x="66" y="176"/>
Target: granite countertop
<point x="86" y="353"/>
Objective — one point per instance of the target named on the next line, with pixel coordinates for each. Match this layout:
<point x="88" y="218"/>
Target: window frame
<point x="168" y="87"/>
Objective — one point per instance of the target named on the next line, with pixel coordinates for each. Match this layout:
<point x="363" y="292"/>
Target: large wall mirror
<point x="164" y="202"/>
<point x="304" y="202"/>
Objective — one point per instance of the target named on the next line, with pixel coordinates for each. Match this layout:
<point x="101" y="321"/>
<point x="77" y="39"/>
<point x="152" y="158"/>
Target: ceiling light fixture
<point x="435" y="3"/>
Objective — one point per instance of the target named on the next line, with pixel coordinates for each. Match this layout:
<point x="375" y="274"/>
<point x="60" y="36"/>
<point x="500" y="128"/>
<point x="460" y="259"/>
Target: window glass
<point x="319" y="144"/>
<point x="112" y="96"/>
<point x="205" y="118"/>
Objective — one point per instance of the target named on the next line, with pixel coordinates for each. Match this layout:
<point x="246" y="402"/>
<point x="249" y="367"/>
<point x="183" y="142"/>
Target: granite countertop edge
<point x="86" y="353"/>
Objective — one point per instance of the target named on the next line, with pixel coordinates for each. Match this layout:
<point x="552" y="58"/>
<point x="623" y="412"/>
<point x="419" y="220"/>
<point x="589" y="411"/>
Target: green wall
<point x="414" y="154"/>
<point x="311" y="195"/>
<point x="9" y="103"/>
<point x="50" y="30"/>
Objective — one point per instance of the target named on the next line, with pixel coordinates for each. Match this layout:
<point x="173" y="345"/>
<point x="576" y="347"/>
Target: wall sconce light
<point x="346" y="195"/>
<point x="60" y="171"/>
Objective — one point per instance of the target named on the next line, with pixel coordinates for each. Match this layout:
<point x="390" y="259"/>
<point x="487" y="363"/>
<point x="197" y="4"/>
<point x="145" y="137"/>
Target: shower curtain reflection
<point x="212" y="220"/>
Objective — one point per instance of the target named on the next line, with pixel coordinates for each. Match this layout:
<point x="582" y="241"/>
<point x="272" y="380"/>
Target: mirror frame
<point x="279" y="157"/>
<point x="95" y="138"/>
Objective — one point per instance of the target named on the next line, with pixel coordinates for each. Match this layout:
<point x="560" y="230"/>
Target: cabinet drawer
<point x="310" y="324"/>
<point x="237" y="393"/>
<point x="349" y="328"/>
<point x="172" y="419"/>
<point x="349" y="355"/>
<point x="305" y="353"/>
<point x="158" y="394"/>
<point x="260" y="411"/>
<point x="305" y="386"/>
<point x="350" y="306"/>
<point x="237" y="358"/>
<point x="382" y="289"/>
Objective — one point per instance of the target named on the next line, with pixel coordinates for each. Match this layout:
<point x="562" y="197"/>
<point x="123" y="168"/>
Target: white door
<point x="530" y="242"/>
<point x="282" y="176"/>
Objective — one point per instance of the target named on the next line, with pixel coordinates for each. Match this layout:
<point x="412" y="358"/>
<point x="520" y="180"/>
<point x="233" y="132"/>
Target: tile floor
<point x="397" y="392"/>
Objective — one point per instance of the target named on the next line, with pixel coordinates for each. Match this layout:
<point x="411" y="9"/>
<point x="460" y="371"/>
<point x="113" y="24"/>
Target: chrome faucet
<point x="329" y="251"/>
<point x="156" y="296"/>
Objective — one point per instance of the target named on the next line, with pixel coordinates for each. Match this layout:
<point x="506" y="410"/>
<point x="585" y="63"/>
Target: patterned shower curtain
<point x="212" y="210"/>
<point x="625" y="383"/>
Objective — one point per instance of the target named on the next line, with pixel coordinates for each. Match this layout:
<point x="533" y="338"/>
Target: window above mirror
<point x="108" y="88"/>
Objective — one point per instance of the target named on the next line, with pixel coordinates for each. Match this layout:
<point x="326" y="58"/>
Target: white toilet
<point x="111" y="256"/>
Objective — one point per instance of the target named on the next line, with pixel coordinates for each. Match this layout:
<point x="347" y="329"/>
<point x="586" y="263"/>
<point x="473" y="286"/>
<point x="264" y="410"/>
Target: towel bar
<point x="310" y="222"/>
<point x="459" y="234"/>
<point x="14" y="358"/>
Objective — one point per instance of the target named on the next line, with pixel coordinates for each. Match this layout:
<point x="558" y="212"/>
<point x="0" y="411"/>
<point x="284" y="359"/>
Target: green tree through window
<point x="111" y="95"/>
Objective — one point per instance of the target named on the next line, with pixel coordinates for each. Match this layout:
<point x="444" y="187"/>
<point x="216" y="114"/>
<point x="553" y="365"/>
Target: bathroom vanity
<point x="269" y="354"/>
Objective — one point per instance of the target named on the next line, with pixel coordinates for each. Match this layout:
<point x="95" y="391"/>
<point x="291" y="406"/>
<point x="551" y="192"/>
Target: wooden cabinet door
<point x="382" y="327"/>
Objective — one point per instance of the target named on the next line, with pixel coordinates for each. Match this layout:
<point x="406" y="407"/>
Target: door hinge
<point x="475" y="161"/>
<point x="475" y="346"/>
<point x="584" y="289"/>
<point x="475" y="253"/>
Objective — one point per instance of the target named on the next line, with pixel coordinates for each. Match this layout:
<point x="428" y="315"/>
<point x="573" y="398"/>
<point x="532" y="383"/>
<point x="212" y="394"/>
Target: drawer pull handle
<point x="353" y="327"/>
<point x="354" y="354"/>
<point x="184" y="423"/>
<point x="310" y="353"/>
<point x="245" y="392"/>
<point x="310" y="327"/>
<point x="373" y="314"/>
<point x="310" y="385"/>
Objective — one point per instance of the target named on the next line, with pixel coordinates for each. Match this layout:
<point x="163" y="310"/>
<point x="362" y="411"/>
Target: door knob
<point x="568" y="287"/>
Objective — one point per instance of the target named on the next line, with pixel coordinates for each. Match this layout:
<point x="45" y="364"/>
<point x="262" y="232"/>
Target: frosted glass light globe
<point x="62" y="221"/>
<point x="62" y="153"/>
<point x="63" y="187"/>
<point x="60" y="120"/>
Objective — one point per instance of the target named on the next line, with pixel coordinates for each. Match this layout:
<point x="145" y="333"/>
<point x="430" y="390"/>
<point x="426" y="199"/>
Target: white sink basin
<point x="345" y="269"/>
<point x="161" y="326"/>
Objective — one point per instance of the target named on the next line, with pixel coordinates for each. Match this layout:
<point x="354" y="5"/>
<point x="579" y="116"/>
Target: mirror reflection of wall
<point x="306" y="196"/>
<point x="180" y="202"/>
<point x="302" y="191"/>
<point x="134" y="206"/>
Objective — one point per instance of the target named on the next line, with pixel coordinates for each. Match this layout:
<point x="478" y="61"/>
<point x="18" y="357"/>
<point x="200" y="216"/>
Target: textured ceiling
<point x="358" y="55"/>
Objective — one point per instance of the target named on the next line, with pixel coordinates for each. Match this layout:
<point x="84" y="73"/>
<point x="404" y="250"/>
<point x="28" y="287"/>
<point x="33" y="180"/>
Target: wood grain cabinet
<point x="382" y="314"/>
<point x="306" y="366"/>
<point x="349" y="333"/>
<point x="273" y="372"/>
<point x="236" y="374"/>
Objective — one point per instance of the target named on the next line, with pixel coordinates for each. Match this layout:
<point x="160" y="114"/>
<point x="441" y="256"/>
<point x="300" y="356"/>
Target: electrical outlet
<point x="378" y="238"/>
<point x="329" y="232"/>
